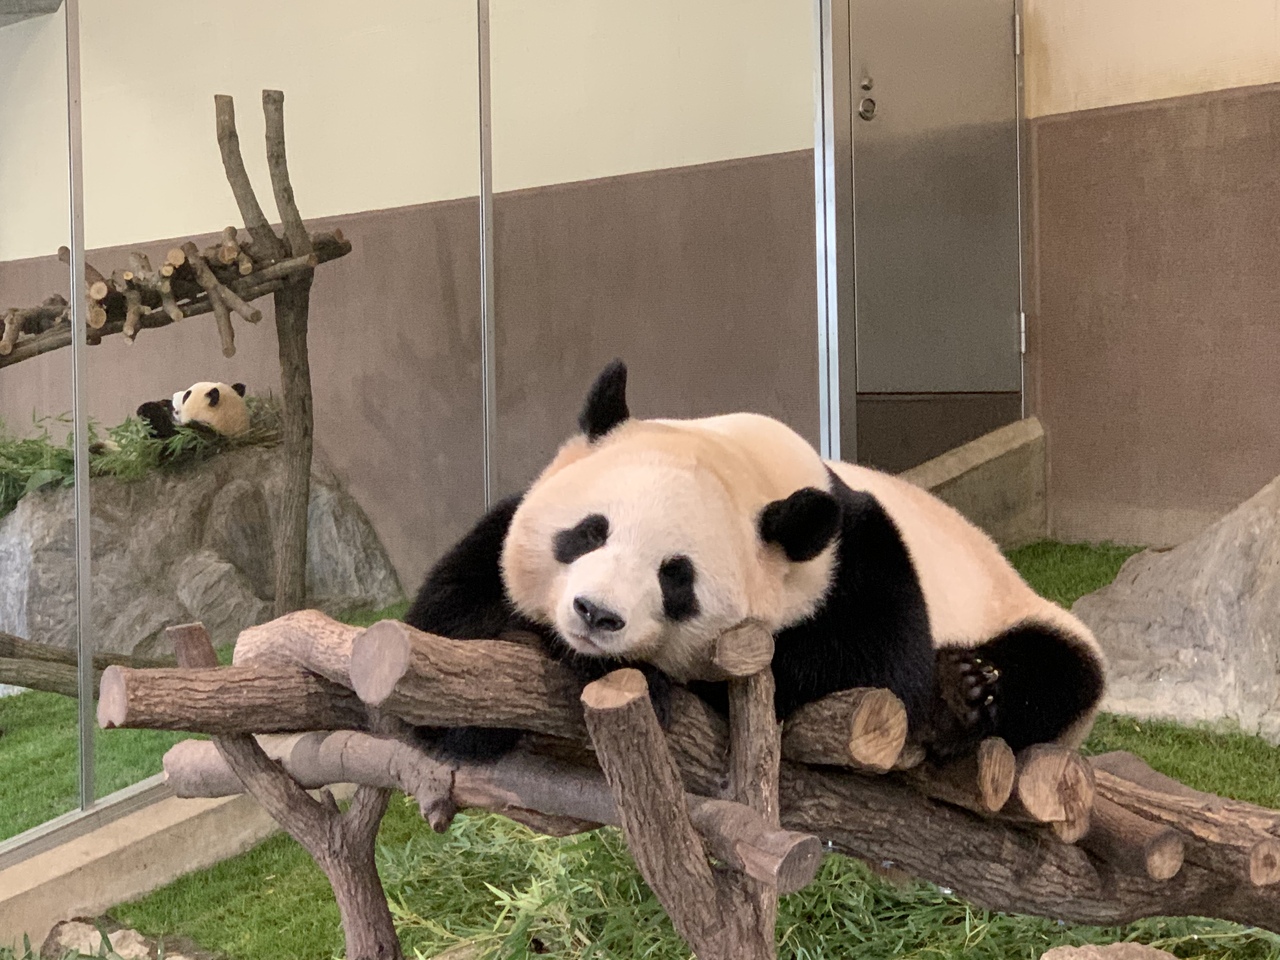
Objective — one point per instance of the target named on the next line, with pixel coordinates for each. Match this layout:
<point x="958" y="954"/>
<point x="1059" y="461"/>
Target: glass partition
<point x="39" y="746"/>
<point x="654" y="201"/>
<point x="365" y="363"/>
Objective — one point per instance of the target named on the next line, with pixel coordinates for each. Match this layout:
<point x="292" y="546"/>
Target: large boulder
<point x="183" y="545"/>
<point x="1193" y="633"/>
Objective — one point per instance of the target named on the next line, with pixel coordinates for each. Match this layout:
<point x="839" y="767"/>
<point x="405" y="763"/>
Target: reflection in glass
<point x="39" y="747"/>
<point x="286" y="393"/>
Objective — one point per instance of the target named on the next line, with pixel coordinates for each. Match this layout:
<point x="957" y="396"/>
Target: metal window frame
<point x="833" y="197"/>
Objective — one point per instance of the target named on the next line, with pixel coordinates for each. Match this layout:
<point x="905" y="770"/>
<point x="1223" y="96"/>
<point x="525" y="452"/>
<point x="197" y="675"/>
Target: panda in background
<point x="644" y="540"/>
<point x="216" y="407"/>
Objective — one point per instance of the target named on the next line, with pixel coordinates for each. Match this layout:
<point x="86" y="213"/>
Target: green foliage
<point x="128" y="453"/>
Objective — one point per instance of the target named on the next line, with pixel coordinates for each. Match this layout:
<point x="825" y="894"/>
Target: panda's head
<point x="644" y="540"/>
<point x="219" y="406"/>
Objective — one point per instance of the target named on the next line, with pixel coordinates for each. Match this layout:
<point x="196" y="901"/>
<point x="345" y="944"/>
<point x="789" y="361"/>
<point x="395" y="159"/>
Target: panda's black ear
<point x="802" y="524"/>
<point x="606" y="405"/>
<point x="213" y="396"/>
<point x="238" y="388"/>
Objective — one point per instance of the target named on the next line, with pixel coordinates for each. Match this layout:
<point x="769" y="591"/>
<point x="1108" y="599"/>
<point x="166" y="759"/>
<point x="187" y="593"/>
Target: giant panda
<point x="643" y="540"/>
<point x="216" y="408"/>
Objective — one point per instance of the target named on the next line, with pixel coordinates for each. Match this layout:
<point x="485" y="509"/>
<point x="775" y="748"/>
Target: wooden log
<point x="20" y="649"/>
<point x="1131" y="843"/>
<point x="981" y="782"/>
<point x="308" y="639"/>
<point x="227" y="701"/>
<point x="432" y="681"/>
<point x="1219" y="833"/>
<point x="295" y="233"/>
<point x="266" y="244"/>
<point x="1054" y="786"/>
<point x="512" y="785"/>
<point x="666" y="846"/>
<point x="43" y="675"/>
<point x="12" y="327"/>
<point x="862" y="728"/>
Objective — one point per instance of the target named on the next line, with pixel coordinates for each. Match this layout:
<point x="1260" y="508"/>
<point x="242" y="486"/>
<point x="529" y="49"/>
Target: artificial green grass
<point x="489" y="881"/>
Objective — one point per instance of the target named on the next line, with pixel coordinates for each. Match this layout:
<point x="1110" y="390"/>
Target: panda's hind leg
<point x="1027" y="685"/>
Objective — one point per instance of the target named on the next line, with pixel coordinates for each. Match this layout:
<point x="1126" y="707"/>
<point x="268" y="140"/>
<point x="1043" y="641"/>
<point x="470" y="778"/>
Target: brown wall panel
<point x="702" y="278"/>
<point x="1156" y="318"/>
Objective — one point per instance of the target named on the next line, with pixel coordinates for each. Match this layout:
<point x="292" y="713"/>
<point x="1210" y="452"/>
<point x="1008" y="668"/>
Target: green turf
<point x="1064" y="572"/>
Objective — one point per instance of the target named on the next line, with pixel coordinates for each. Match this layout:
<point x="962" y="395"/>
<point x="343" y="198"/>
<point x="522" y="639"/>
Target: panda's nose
<point x="597" y="617"/>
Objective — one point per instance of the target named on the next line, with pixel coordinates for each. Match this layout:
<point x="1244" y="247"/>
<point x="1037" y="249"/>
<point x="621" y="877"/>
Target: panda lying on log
<point x="644" y="540"/>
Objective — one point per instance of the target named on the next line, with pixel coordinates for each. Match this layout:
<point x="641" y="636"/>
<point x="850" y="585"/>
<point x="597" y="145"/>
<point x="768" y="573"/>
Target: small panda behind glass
<point x="218" y="407"/>
<point x="644" y="540"/>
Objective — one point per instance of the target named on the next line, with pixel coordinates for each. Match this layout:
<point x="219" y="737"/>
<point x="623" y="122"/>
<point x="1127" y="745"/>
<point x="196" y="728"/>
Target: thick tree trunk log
<point x="292" y="305"/>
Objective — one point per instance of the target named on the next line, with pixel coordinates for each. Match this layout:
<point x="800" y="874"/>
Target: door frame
<point x="834" y="216"/>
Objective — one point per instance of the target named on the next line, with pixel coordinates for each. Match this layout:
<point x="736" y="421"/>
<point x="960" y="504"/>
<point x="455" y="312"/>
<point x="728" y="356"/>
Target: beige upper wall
<point x="381" y="102"/>
<point x="1082" y="54"/>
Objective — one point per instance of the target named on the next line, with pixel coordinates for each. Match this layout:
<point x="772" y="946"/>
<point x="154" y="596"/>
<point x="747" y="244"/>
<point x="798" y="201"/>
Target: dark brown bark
<point x="297" y="426"/>
<point x="862" y="728"/>
<point x="981" y="783"/>
<point x="1133" y="843"/>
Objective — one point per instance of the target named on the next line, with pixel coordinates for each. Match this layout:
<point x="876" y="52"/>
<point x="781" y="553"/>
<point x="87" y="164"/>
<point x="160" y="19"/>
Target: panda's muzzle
<point x="597" y="617"/>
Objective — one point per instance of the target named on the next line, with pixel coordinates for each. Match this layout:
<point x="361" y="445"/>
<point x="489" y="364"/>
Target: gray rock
<point x="1193" y="633"/>
<point x="195" y="544"/>
<point x="1112" y="951"/>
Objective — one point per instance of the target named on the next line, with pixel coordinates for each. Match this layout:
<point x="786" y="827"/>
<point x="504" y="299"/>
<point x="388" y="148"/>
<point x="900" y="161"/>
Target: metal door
<point x="936" y="196"/>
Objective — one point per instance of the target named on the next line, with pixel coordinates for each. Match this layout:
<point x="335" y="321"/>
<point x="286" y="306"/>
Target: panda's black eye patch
<point x="591" y="533"/>
<point x="676" y="577"/>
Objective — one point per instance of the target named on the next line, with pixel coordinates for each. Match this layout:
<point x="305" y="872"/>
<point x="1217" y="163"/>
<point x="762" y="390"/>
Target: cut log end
<point x="743" y="651"/>
<point x="1264" y="863"/>
<point x="997" y="770"/>
<point x="877" y="731"/>
<point x="616" y="690"/>
<point x="1164" y="855"/>
<point x="380" y="658"/>
<point x="1055" y="785"/>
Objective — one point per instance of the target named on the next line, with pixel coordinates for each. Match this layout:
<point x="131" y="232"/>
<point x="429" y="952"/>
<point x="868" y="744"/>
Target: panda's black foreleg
<point x="463" y="598"/>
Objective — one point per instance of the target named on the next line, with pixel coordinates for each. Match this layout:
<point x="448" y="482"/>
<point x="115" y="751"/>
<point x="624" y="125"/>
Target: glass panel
<point x="381" y="136"/>
<point x="653" y="179"/>
<point x="39" y="748"/>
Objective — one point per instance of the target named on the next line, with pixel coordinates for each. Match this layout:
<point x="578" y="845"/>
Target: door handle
<point x="867" y="109"/>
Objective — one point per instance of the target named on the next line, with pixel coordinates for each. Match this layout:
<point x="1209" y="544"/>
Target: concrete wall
<point x="1155" y="221"/>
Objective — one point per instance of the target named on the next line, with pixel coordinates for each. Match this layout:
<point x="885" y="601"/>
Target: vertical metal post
<point x="833" y="193"/>
<point x="488" y="363"/>
<point x="1023" y="204"/>
<point x="79" y="412"/>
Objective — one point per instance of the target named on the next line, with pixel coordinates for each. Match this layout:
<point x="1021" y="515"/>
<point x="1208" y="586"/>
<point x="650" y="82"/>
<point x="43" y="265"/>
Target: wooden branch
<point x="308" y="639"/>
<point x="1131" y="843"/>
<point x="266" y="244"/>
<point x="12" y="327"/>
<point x="213" y="290"/>
<point x="227" y="701"/>
<point x="18" y="648"/>
<point x="271" y="279"/>
<point x="341" y="844"/>
<point x="514" y="785"/>
<point x="861" y="728"/>
<point x="295" y="233"/>
<point x="96" y="290"/>
<point x="667" y="847"/>
<point x="981" y="783"/>
<point x="1219" y="833"/>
